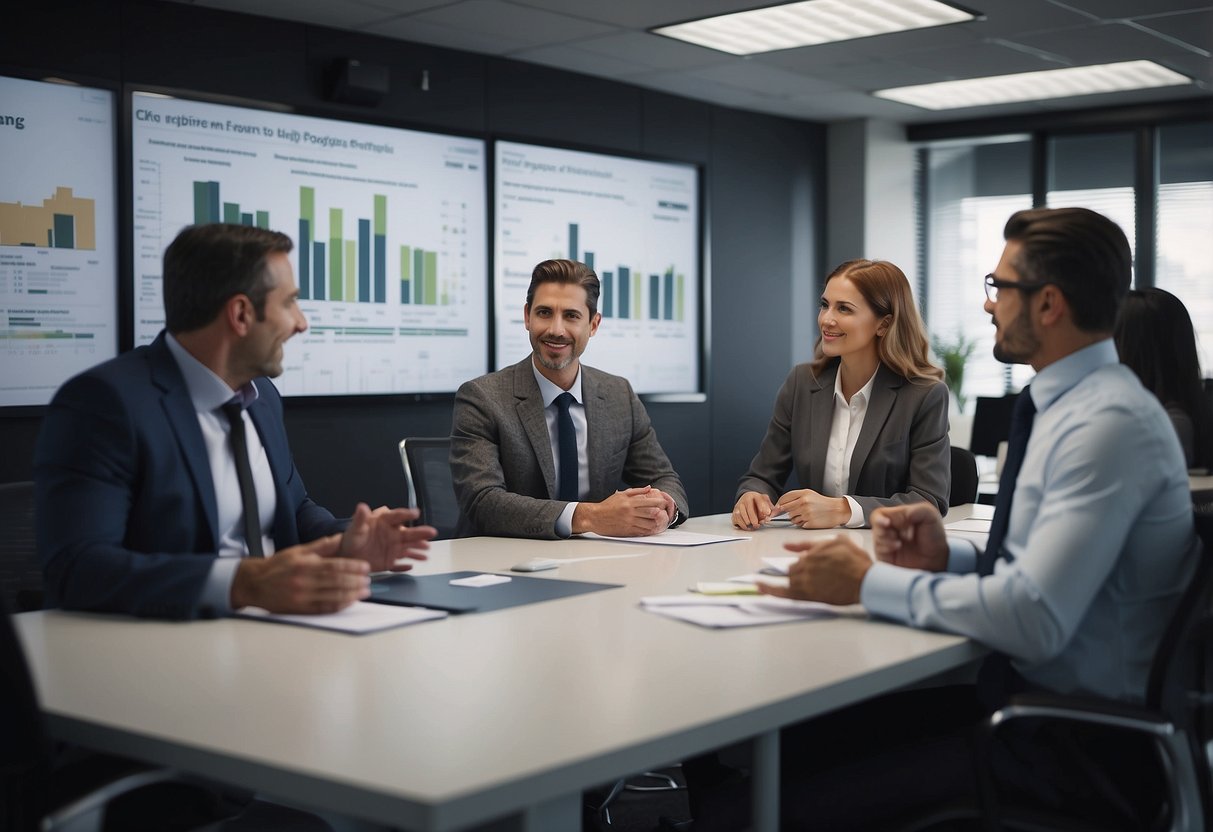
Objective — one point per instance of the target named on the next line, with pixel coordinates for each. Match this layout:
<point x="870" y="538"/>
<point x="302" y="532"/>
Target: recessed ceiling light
<point x="812" y="22"/>
<point x="1036" y="86"/>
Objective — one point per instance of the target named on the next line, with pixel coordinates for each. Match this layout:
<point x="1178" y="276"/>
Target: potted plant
<point x="953" y="353"/>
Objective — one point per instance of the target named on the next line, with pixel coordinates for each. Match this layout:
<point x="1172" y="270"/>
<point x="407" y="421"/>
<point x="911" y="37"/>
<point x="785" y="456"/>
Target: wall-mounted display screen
<point x="58" y="243"/>
<point x="636" y="223"/>
<point x="389" y="229"/>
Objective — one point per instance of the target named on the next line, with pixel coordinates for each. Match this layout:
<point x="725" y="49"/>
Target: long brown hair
<point x="903" y="347"/>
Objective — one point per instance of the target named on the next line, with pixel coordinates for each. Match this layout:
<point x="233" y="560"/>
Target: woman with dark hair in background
<point x="1155" y="340"/>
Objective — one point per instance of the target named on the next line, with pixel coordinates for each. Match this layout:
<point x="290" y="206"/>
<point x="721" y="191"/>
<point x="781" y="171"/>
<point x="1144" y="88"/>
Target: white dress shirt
<point x="844" y="432"/>
<point x="1099" y="545"/>
<point x="549" y="391"/>
<point x="208" y="393"/>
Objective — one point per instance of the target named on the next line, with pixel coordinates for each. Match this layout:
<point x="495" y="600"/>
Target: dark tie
<point x="566" y="443"/>
<point x="1021" y="428"/>
<point x="244" y="473"/>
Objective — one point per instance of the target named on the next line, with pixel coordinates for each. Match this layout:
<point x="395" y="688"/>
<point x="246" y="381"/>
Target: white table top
<point x="451" y="722"/>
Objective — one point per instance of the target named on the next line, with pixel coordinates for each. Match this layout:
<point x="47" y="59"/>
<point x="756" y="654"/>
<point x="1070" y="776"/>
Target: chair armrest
<point x="1083" y="709"/>
<point x="86" y="786"/>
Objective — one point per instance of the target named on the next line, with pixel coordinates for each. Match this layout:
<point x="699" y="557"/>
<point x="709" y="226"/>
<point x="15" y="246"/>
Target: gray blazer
<point x="501" y="453"/>
<point x="901" y="456"/>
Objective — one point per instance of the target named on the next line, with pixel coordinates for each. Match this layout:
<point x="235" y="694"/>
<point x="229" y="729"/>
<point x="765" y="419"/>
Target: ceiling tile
<point x="641" y="14"/>
<point x="655" y="51"/>
<point x="530" y="27"/>
<point x="1193" y="28"/>
<point x="339" y="15"/>
<point x="577" y="59"/>
<point x="433" y="34"/>
<point x="978" y="61"/>
<point x="764" y="80"/>
<point x="1120" y="9"/>
<point x="1099" y="43"/>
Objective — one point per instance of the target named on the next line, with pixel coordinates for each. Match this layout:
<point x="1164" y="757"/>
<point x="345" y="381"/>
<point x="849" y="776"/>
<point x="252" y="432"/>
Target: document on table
<point x="358" y="618"/>
<point x="672" y="537"/>
<point x="726" y="611"/>
<point x="975" y="530"/>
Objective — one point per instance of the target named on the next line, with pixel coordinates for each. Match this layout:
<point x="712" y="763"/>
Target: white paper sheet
<point x="726" y="611"/>
<point x="672" y="537"/>
<point x="358" y="618"/>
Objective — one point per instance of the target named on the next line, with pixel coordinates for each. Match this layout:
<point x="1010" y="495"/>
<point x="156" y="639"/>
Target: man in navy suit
<point x="140" y="491"/>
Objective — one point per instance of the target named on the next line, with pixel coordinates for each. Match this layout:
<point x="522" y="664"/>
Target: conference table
<point x="506" y="715"/>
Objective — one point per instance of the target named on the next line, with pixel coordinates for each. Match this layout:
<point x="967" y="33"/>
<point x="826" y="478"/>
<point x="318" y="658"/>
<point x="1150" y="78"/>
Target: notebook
<point x="436" y="592"/>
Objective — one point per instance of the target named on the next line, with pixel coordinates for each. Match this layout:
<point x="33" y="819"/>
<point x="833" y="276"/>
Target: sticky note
<point x="481" y="580"/>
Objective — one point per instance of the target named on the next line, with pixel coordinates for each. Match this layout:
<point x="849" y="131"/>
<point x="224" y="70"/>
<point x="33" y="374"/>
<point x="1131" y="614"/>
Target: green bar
<point x="418" y="276"/>
<point x="406" y="271"/>
<point x="263" y="219"/>
<point x="336" y="247"/>
<point x="636" y="288"/>
<point x="307" y="204"/>
<point x="431" y="277"/>
<point x="351" y="270"/>
<point x="231" y="212"/>
<point x="380" y="214"/>
<point x="678" y="281"/>
<point x="202" y="203"/>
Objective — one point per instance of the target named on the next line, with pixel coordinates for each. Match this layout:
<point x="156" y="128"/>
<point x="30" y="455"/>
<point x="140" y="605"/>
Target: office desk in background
<point x="447" y="724"/>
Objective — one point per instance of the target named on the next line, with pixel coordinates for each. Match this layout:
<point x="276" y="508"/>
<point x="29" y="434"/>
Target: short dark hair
<point x="208" y="264"/>
<point x="1083" y="253"/>
<point x="566" y="271"/>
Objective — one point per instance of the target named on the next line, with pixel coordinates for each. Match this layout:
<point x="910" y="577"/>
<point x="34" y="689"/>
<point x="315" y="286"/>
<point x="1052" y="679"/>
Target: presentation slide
<point x="58" y="243"/>
<point x="636" y="223"/>
<point x="389" y="229"/>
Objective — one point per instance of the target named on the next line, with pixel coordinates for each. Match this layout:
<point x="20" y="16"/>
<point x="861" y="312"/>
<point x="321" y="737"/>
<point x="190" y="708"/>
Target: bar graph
<point x="351" y="270"/>
<point x="61" y="221"/>
<point x="623" y="288"/>
<point x="208" y="207"/>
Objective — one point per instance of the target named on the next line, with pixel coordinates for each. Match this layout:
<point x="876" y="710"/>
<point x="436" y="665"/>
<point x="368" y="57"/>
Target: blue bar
<point x="318" y="272"/>
<point x="364" y="260"/>
<point x="212" y="194"/>
<point x="608" y="295"/>
<point x="305" y="263"/>
<point x="654" y="297"/>
<point x="669" y="295"/>
<point x="624" y="285"/>
<point x="572" y="241"/>
<point x="380" y="268"/>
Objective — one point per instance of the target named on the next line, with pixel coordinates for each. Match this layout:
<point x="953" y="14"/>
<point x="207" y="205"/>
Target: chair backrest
<point x="1182" y="673"/>
<point x="991" y="423"/>
<point x="25" y="752"/>
<point x="20" y="571"/>
<point x="964" y="478"/>
<point x="427" y="470"/>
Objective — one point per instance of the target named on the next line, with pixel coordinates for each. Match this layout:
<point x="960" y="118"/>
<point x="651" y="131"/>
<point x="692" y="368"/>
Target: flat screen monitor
<point x="389" y="225"/>
<point x="636" y="223"/>
<point x="58" y="240"/>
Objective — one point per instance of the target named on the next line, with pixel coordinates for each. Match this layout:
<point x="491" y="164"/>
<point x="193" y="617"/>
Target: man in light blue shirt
<point x="1096" y="539"/>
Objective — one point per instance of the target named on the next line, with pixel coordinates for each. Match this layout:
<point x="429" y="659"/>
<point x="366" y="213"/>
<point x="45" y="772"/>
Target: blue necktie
<point x="566" y="443"/>
<point x="244" y="474"/>
<point x="1017" y="443"/>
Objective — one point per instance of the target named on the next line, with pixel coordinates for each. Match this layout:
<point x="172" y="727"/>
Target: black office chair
<point x="1177" y="716"/>
<point x="991" y="423"/>
<point x="20" y="571"/>
<point x="964" y="478"/>
<point x="427" y="471"/>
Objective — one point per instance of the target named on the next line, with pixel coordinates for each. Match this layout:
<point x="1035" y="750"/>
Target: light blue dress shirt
<point x="1100" y="533"/>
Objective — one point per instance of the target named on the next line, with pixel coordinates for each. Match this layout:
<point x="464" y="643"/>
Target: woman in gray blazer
<point x="865" y="424"/>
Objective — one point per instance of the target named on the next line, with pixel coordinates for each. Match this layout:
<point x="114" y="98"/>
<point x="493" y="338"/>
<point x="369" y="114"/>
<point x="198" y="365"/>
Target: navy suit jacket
<point x="125" y="503"/>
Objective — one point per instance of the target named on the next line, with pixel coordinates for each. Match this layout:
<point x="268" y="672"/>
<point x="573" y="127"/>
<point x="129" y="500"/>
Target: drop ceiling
<point x="831" y="82"/>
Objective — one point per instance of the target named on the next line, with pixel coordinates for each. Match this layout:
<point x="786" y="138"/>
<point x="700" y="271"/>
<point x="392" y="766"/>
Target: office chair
<point x="991" y="423"/>
<point x="427" y="470"/>
<point x="1177" y="716"/>
<point x="964" y="478"/>
<point x="20" y="571"/>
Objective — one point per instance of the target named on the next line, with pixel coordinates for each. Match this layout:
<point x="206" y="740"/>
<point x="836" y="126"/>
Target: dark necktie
<point x="566" y="443"/>
<point x="1021" y="428"/>
<point x="244" y="473"/>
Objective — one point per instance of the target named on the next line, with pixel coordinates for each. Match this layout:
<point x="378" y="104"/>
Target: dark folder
<point x="436" y="592"/>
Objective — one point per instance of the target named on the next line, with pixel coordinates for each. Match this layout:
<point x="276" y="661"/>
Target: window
<point x="1095" y="172"/>
<point x="971" y="191"/>
<point x="1185" y="225"/>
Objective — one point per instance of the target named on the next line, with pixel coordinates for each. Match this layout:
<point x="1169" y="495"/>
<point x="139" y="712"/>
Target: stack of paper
<point x="359" y="617"/>
<point x="734" y="610"/>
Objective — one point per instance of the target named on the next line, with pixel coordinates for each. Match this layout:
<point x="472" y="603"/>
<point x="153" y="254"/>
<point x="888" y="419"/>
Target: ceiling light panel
<point x="1036" y="86"/>
<point x="812" y="22"/>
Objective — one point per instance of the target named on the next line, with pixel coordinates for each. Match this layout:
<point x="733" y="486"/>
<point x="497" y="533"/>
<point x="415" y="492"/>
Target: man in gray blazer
<point x="538" y="449"/>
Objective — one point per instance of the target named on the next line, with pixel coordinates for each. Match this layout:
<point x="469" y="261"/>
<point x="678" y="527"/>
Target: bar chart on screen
<point x="58" y="252"/>
<point x="388" y="228"/>
<point x="636" y="224"/>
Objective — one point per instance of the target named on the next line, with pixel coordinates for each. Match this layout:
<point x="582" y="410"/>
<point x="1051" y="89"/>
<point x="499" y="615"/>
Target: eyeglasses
<point x="993" y="284"/>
